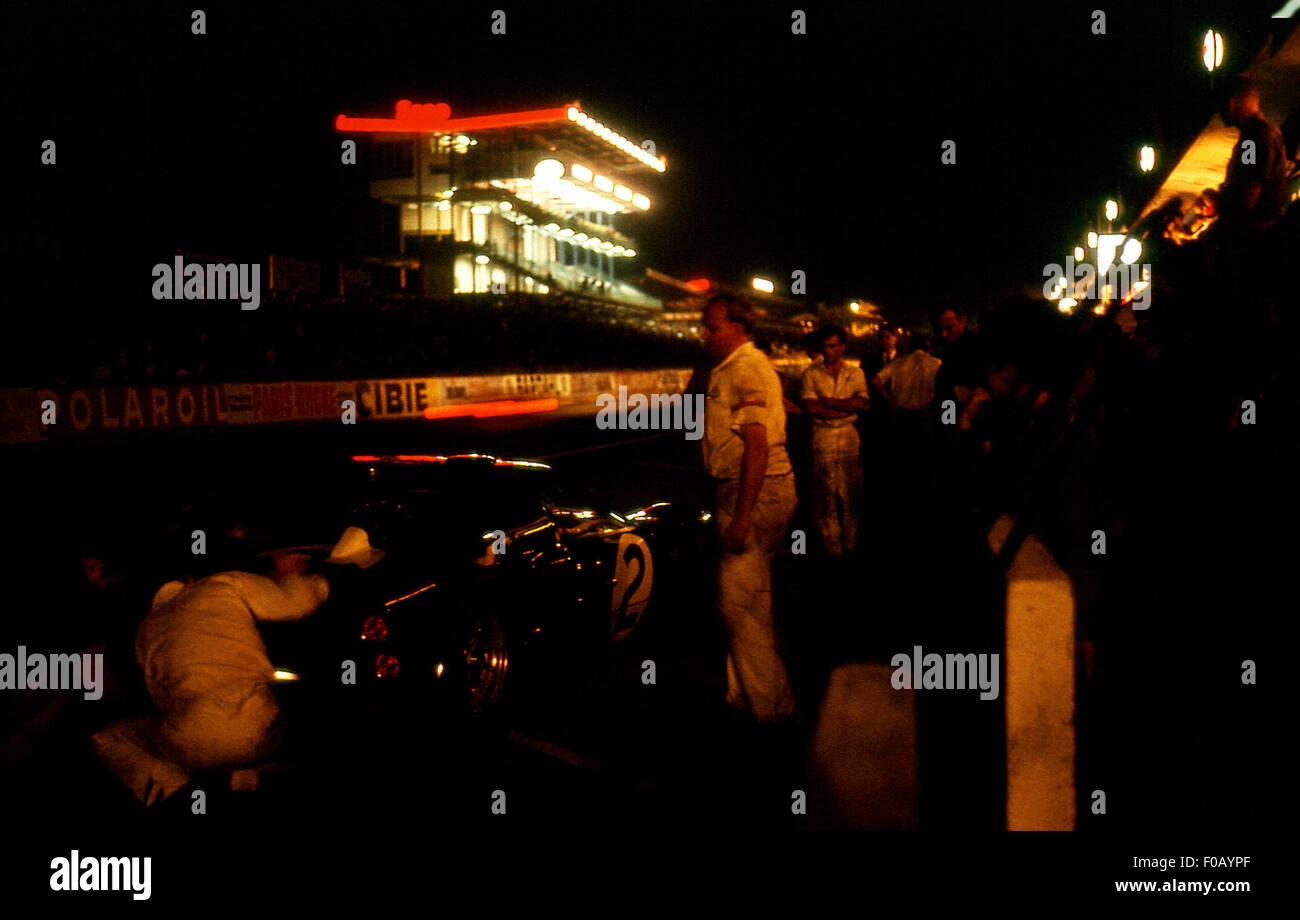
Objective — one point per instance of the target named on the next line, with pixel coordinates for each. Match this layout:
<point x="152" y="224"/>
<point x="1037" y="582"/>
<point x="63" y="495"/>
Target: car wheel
<point x="486" y="660"/>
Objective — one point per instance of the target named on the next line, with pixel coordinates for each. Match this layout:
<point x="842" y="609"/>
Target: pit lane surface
<point x="587" y="739"/>
<point x="588" y="745"/>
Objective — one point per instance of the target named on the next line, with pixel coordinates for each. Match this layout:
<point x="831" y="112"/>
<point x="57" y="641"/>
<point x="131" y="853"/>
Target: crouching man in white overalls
<point x="207" y="672"/>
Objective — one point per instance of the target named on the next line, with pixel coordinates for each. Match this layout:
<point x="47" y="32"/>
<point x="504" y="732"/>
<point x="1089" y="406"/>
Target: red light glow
<point x="493" y="409"/>
<point x="387" y="666"/>
<point x="435" y="118"/>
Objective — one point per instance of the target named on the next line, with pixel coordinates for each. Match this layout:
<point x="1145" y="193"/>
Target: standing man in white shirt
<point x="913" y="377"/>
<point x="744" y="453"/>
<point x="834" y="392"/>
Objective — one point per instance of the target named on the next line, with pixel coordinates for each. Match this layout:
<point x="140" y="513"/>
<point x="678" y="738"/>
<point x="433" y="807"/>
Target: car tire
<point x="485" y="658"/>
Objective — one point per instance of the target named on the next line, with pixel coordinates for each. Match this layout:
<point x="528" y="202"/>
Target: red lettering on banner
<point x="186" y="415"/>
<point x="133" y="409"/>
<point x="78" y="398"/>
<point x="218" y="404"/>
<point x="158" y="399"/>
<point x="106" y="420"/>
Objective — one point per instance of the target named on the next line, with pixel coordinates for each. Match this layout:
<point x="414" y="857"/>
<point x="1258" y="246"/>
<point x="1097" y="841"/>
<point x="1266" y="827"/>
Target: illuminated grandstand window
<point x="463" y="274"/>
<point x="460" y="222"/>
<point x="499" y="234"/>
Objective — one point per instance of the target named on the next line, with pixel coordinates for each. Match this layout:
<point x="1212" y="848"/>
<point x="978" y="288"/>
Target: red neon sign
<point x="435" y="118"/>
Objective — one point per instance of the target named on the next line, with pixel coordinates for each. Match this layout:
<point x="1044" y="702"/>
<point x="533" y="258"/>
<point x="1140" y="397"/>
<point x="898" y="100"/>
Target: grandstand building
<point x="524" y="201"/>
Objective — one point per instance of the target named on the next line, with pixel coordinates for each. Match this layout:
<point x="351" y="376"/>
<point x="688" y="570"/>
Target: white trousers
<point x="156" y="755"/>
<point x="756" y="676"/>
<point x="837" y="486"/>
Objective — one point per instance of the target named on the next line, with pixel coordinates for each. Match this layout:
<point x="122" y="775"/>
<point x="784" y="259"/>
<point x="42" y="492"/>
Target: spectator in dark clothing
<point x="875" y="422"/>
<point x="963" y="365"/>
<point x="998" y="426"/>
<point x="876" y="360"/>
<point x="1253" y="194"/>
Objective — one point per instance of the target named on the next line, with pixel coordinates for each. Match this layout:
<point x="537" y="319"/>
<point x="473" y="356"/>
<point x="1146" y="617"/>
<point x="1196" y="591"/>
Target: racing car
<point x="491" y="568"/>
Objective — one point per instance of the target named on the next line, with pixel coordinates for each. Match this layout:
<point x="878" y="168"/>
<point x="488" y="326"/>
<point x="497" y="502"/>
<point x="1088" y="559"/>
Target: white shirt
<point x="743" y="389"/>
<point x="203" y="638"/>
<point x="818" y="383"/>
<point x="913" y="376"/>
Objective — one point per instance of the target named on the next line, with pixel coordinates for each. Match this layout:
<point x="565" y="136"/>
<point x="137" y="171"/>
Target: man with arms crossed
<point x="833" y="394"/>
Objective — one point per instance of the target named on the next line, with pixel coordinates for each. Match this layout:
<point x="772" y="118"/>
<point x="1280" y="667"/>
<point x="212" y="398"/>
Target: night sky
<point x="817" y="152"/>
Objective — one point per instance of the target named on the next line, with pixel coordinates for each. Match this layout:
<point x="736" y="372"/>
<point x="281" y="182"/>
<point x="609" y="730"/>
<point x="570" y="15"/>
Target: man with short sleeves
<point x="744" y="453"/>
<point x="834" y="392"/>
